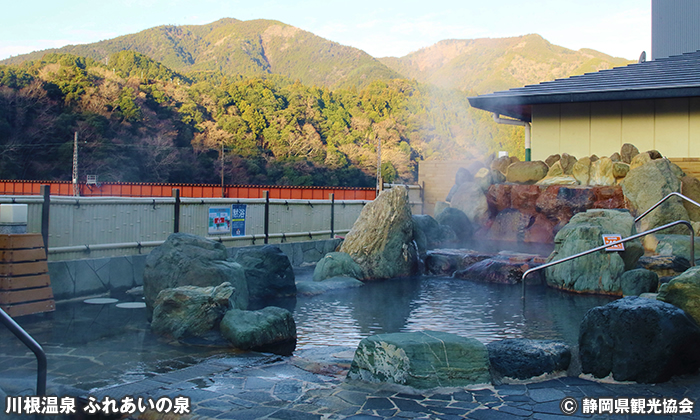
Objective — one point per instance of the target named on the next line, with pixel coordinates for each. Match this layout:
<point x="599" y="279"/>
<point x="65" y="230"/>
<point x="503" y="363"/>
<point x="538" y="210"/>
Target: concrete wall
<point x="671" y="126"/>
<point x="89" y="277"/>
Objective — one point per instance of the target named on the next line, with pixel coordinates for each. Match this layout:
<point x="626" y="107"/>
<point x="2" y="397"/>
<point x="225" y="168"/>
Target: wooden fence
<point x="135" y="189"/>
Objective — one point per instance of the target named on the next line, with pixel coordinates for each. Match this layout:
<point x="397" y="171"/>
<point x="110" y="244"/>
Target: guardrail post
<point x="332" y="197"/>
<point x="266" y="196"/>
<point x="176" y="210"/>
<point x="46" y="193"/>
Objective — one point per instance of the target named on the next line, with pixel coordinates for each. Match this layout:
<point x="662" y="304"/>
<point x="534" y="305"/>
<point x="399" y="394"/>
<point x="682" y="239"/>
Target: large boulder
<point x="639" y="160"/>
<point x="522" y="358"/>
<point x="510" y="225"/>
<point x="647" y="184"/>
<point x="684" y="292"/>
<point x="559" y="202"/>
<point x="190" y="311"/>
<point x="190" y="260"/>
<point x="638" y="281"/>
<point x="691" y="189"/>
<point x="422" y="360"/>
<point x="336" y="264"/>
<point x="524" y="198"/>
<point x="381" y="240"/>
<point x="313" y="288"/>
<point x="628" y="152"/>
<point x="504" y="268"/>
<point x="567" y="163"/>
<point x="268" y="273"/>
<point x="558" y="180"/>
<point x="269" y="329"/>
<point x="598" y="272"/>
<point x="602" y="172"/>
<point x="526" y="172"/>
<point x="458" y="221"/>
<point x="552" y="159"/>
<point x="620" y="170"/>
<point x="470" y="198"/>
<point x="485" y="178"/>
<point x="463" y="175"/>
<point x="670" y="244"/>
<point x="581" y="170"/>
<point x="428" y="226"/>
<point x="498" y="197"/>
<point x="638" y="339"/>
<point x="501" y="164"/>
<point x="447" y="261"/>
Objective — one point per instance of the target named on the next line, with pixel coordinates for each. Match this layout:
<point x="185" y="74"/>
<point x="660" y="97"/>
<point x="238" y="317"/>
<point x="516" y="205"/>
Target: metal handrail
<point x="629" y="238"/>
<point x="28" y="341"/>
<point x="664" y="199"/>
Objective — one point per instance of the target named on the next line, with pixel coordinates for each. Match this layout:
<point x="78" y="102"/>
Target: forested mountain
<point x="137" y="120"/>
<point x="275" y="104"/>
<point x="487" y="65"/>
<point x="234" y="47"/>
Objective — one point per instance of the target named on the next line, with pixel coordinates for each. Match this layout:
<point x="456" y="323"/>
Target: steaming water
<point x="90" y="346"/>
<point x="486" y="312"/>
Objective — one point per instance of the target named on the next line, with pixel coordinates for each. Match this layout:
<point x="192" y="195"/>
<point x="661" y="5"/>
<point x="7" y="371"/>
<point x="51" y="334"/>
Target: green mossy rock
<point x="639" y="281"/>
<point x="336" y="264"/>
<point x="421" y="360"/>
<point x="258" y="330"/>
<point x="647" y="184"/>
<point x="684" y="292"/>
<point x="190" y="311"/>
<point x="190" y="260"/>
<point x="599" y="272"/>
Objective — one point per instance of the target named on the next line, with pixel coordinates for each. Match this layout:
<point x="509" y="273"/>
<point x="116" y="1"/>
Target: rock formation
<point x="638" y="339"/>
<point x="422" y="360"/>
<point x="597" y="272"/>
<point x="381" y="240"/>
<point x="189" y="260"/>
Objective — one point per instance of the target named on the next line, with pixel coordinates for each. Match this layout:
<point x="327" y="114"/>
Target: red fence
<point x="133" y="189"/>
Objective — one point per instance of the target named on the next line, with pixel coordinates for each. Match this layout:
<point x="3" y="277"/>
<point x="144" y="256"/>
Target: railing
<point x="661" y="202"/>
<point x="621" y="241"/>
<point x="33" y="346"/>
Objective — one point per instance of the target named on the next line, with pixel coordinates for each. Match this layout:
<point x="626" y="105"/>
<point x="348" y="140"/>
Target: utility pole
<point x="223" y="195"/>
<point x="76" y="189"/>
<point x="379" y="165"/>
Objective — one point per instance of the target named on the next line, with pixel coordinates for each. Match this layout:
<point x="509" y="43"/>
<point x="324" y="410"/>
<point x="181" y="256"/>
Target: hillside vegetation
<point x="137" y="120"/>
<point x="271" y="103"/>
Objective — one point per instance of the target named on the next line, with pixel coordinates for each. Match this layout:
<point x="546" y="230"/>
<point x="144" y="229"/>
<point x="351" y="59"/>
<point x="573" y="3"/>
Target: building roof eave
<point x="519" y="105"/>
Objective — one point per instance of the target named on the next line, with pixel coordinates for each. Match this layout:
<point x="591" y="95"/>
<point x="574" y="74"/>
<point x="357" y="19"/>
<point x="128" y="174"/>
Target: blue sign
<point x="238" y="212"/>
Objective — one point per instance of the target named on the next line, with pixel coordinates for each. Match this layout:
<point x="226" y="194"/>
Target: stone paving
<point x="312" y="385"/>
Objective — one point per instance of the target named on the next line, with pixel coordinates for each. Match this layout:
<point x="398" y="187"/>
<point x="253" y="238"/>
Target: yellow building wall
<point x="671" y="126"/>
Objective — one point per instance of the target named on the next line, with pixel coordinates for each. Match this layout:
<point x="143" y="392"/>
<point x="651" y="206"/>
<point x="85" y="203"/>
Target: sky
<point x="621" y="28"/>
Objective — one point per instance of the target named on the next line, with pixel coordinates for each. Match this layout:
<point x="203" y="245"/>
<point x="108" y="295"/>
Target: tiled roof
<point x="672" y="77"/>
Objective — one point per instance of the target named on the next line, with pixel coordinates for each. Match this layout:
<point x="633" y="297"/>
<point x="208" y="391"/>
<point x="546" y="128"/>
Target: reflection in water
<point x="92" y="346"/>
<point x="486" y="312"/>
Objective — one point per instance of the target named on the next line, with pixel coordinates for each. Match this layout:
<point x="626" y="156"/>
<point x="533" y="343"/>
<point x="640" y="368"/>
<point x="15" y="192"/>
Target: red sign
<point x="610" y="238"/>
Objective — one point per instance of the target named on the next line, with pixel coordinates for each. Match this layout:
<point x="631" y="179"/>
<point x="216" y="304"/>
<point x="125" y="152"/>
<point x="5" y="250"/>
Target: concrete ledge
<point x="78" y="278"/>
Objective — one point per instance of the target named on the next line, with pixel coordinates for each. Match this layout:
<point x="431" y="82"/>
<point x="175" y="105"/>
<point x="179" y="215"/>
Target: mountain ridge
<point x="488" y="64"/>
<point x="232" y="46"/>
<point x="260" y="46"/>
